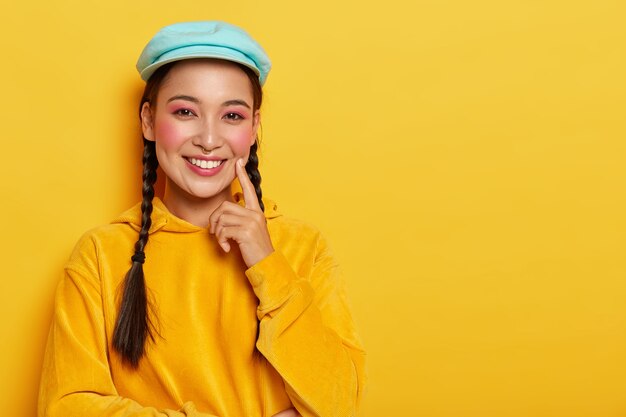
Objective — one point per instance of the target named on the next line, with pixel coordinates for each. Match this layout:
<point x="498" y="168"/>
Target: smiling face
<point x="202" y="121"/>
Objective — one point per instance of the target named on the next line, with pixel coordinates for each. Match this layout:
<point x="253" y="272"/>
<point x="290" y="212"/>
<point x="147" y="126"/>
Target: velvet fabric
<point x="205" y="359"/>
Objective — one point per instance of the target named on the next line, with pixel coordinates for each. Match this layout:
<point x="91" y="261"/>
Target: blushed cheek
<point x="240" y="142"/>
<point x="167" y="134"/>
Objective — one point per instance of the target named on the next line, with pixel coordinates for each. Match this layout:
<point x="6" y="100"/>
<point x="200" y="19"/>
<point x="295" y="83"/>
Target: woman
<point x="208" y="302"/>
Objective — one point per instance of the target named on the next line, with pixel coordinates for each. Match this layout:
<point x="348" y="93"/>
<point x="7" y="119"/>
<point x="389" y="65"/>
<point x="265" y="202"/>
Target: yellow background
<point x="465" y="158"/>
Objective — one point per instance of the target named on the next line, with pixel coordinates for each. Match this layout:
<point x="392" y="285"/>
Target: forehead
<point x="207" y="77"/>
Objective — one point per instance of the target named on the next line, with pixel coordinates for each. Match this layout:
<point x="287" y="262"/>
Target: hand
<point x="290" y="412"/>
<point x="245" y="225"/>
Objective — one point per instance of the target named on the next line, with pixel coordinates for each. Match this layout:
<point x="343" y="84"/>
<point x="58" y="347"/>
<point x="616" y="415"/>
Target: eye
<point x="233" y="116"/>
<point x="184" y="113"/>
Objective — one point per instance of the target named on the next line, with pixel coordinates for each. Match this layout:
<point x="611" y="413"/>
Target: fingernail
<point x="240" y="162"/>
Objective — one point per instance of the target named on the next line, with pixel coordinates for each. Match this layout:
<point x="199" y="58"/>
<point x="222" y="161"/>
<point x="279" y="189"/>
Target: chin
<point x="194" y="188"/>
<point x="207" y="192"/>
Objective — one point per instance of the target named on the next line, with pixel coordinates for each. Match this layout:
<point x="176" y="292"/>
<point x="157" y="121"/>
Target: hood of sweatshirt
<point x="163" y="220"/>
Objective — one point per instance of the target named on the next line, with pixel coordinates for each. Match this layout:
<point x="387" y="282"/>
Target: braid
<point x="150" y="165"/>
<point x="133" y="323"/>
<point x="252" y="168"/>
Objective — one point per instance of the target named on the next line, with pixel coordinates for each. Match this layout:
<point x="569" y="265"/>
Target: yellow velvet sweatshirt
<point x="206" y="307"/>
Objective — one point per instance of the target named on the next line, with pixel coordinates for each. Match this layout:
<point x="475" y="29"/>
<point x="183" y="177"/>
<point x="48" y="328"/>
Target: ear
<point x="147" y="122"/>
<point x="256" y="122"/>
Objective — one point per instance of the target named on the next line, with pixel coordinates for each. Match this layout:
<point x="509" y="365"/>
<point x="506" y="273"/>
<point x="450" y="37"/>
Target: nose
<point x="208" y="137"/>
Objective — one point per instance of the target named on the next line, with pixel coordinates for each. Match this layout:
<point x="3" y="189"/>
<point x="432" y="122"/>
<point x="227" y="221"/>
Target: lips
<point x="205" y="167"/>
<point x="205" y="164"/>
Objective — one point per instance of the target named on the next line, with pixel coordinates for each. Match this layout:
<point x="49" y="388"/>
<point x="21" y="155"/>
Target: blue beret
<point x="210" y="39"/>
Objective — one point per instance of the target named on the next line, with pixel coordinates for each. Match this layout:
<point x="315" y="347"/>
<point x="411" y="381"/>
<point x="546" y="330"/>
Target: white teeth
<point x="204" y="163"/>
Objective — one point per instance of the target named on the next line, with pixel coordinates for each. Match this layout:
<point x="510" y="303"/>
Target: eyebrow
<point x="235" y="103"/>
<point x="184" y="97"/>
<point x="197" y="101"/>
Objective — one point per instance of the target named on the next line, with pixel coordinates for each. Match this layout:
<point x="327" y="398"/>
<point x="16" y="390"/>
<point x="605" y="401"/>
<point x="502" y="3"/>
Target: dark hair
<point x="133" y="325"/>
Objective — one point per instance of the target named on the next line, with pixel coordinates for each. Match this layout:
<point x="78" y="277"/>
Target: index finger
<point x="249" y="193"/>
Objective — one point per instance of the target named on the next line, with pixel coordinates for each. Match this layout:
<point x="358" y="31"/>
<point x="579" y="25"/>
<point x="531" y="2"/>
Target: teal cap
<point x="207" y="39"/>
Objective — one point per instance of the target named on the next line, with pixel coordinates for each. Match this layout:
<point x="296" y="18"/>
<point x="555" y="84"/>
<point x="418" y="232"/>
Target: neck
<point x="194" y="210"/>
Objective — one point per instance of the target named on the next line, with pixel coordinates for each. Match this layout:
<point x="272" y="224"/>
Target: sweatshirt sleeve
<point x="308" y="335"/>
<point x="76" y="378"/>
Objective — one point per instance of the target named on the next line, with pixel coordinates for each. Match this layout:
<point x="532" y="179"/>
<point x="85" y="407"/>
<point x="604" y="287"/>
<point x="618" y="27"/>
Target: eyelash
<point x="184" y="112"/>
<point x="229" y="116"/>
<point x="236" y="116"/>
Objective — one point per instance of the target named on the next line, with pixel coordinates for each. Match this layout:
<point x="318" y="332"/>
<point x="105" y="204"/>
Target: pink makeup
<point x="193" y="162"/>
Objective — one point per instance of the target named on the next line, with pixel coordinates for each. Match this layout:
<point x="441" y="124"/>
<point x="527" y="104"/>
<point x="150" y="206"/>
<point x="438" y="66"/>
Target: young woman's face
<point x="203" y="122"/>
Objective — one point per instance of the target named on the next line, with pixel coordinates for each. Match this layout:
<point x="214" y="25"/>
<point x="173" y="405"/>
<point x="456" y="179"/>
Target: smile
<point x="201" y="163"/>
